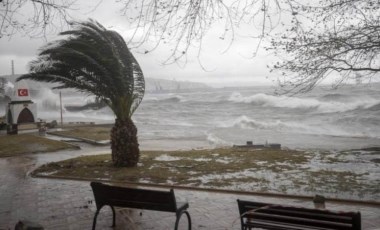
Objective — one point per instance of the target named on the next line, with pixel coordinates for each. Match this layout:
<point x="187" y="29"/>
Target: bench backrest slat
<point x="133" y="197"/>
<point x="282" y="214"/>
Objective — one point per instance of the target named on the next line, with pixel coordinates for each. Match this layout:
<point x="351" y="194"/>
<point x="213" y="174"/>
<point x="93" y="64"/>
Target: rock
<point x="28" y="225"/>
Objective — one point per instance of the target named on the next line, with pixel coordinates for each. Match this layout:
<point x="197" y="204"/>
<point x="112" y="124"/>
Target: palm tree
<point x="97" y="61"/>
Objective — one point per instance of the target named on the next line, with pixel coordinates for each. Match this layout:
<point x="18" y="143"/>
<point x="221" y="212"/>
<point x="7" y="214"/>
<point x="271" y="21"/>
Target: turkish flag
<point x="23" y="92"/>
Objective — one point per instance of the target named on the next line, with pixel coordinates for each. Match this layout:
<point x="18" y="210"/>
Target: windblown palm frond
<point x="94" y="60"/>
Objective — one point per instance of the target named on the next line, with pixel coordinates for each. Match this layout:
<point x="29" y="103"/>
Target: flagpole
<point x="60" y="103"/>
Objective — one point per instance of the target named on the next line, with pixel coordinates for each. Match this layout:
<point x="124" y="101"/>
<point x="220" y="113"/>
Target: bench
<point x="156" y="200"/>
<point x="281" y="217"/>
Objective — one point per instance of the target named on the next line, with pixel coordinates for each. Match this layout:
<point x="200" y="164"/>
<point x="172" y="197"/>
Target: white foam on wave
<point x="164" y="97"/>
<point x="266" y="100"/>
<point x="247" y="123"/>
<point x="244" y="122"/>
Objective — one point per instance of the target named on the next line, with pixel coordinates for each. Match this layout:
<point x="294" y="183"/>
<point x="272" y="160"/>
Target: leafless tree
<point x="340" y="39"/>
<point x="185" y="23"/>
<point x="316" y="39"/>
<point x="33" y="17"/>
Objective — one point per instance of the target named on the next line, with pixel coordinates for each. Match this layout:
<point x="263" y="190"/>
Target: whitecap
<point x="283" y="101"/>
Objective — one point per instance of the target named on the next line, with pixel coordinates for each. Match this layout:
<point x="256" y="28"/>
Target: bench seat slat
<point x="344" y="217"/>
<point x="305" y="214"/>
<point x="298" y="220"/>
<point x="266" y="224"/>
<point x="273" y="216"/>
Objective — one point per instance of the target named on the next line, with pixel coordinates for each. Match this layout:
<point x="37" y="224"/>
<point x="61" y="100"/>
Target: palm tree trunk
<point x="124" y="144"/>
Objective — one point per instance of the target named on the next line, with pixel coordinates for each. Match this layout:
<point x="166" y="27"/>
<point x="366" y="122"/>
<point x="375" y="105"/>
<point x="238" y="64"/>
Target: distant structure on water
<point x="250" y="145"/>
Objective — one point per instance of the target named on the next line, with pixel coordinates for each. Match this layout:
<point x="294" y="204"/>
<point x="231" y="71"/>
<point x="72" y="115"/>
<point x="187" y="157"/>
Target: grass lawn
<point x="11" y="145"/>
<point x="265" y="170"/>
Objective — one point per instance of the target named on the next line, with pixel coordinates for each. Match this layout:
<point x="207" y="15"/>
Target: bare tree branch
<point x="34" y="18"/>
<point x="343" y="42"/>
<point x="185" y="23"/>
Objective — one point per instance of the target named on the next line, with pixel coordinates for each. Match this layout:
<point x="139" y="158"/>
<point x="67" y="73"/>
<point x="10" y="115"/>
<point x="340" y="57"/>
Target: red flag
<point x="23" y="92"/>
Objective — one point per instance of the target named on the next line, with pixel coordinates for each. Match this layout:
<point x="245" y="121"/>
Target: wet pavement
<point x="67" y="204"/>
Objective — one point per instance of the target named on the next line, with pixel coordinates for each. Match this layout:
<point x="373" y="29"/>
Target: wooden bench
<point x="114" y="196"/>
<point x="281" y="217"/>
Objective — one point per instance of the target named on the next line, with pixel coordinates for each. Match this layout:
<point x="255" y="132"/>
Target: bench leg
<point x="179" y="217"/>
<point x="94" y="222"/>
<point x="113" y="216"/>
<point x="96" y="216"/>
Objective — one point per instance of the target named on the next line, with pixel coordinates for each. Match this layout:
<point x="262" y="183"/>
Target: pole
<point x="60" y="103"/>
<point x="13" y="67"/>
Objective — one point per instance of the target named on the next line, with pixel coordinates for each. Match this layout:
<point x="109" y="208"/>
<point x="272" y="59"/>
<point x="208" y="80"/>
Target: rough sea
<point x="322" y="122"/>
<point x="346" y="118"/>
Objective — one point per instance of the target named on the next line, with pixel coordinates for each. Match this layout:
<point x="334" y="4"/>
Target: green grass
<point x="12" y="145"/>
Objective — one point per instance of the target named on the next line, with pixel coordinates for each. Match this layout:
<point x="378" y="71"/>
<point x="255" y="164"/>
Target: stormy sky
<point x="231" y="68"/>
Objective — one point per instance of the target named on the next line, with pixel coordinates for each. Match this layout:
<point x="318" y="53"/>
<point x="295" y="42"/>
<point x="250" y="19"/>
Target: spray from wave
<point x="215" y="141"/>
<point x="46" y="99"/>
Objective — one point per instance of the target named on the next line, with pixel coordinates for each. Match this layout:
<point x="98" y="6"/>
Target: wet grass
<point x="179" y="167"/>
<point x="282" y="171"/>
<point x="12" y="145"/>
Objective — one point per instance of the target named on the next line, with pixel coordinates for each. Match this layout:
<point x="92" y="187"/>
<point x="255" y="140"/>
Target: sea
<point x="339" y="119"/>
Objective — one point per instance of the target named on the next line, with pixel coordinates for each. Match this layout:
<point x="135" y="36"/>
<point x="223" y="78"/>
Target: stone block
<point x="28" y="225"/>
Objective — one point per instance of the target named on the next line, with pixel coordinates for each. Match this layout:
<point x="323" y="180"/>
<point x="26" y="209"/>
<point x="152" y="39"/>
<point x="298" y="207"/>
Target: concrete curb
<point x="93" y="142"/>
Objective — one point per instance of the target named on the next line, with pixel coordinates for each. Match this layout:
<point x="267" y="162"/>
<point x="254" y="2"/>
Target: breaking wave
<point x="266" y="100"/>
<point x="216" y="141"/>
<point x="167" y="98"/>
<point x="244" y="122"/>
<point x="247" y="123"/>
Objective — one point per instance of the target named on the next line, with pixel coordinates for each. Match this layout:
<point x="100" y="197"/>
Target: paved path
<point x="64" y="204"/>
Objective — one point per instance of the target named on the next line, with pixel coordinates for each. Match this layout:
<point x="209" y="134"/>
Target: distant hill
<point x="151" y="84"/>
<point x="162" y="85"/>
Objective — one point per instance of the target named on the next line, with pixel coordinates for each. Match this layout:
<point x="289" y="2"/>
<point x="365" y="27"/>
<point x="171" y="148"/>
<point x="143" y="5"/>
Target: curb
<point x="93" y="142"/>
